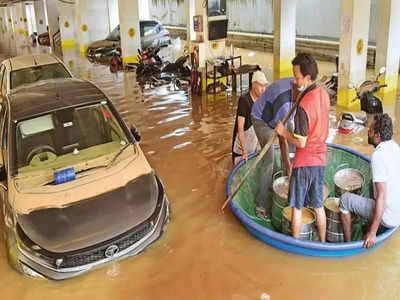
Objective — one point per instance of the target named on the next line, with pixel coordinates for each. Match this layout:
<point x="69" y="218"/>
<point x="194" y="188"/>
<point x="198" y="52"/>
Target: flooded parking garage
<point x="205" y="254"/>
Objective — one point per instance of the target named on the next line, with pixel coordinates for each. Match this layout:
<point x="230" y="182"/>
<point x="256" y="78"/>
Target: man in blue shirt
<point x="271" y="107"/>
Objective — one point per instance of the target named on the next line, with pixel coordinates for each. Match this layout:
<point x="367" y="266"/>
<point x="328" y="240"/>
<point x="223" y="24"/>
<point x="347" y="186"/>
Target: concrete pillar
<point x="130" y="30"/>
<point x="22" y="29"/>
<point x="40" y="16"/>
<point x="354" y="23"/>
<point x="6" y="31"/>
<point x="82" y="25"/>
<point x="3" y="30"/>
<point x="190" y="9"/>
<point x="284" y="37"/>
<point x="11" y="23"/>
<point x="207" y="49"/>
<point x="67" y="24"/>
<point x="92" y="21"/>
<point x="52" y="21"/>
<point x="16" y="28"/>
<point x="388" y="48"/>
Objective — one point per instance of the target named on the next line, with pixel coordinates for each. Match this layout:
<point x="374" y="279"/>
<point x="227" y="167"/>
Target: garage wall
<point x="168" y="12"/>
<point x="255" y="16"/>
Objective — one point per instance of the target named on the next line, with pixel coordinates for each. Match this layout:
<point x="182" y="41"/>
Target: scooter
<point x="332" y="83"/>
<point x="351" y="122"/>
<point x="370" y="103"/>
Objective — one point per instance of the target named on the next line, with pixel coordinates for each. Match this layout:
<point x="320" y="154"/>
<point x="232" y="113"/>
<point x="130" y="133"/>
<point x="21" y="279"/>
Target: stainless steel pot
<point x="348" y="180"/>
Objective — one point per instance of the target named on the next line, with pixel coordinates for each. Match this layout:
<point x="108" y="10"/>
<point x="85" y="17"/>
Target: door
<point x="3" y="173"/>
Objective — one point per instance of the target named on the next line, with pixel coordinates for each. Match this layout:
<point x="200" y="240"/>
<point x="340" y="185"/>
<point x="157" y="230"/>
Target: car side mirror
<point x="135" y="133"/>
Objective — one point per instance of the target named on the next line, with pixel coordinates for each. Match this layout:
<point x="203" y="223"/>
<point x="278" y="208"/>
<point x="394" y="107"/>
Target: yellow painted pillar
<point x="22" y="28"/>
<point x="3" y="30"/>
<point x="8" y="31"/>
<point x="16" y="29"/>
<point x="388" y="48"/>
<point x="11" y="23"/>
<point x="82" y="25"/>
<point x="354" y="29"/>
<point x="130" y="30"/>
<point x="67" y="24"/>
<point x="40" y="16"/>
<point x="284" y="37"/>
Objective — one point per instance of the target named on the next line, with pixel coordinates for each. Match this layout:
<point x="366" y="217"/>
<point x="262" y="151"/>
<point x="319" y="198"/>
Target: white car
<point x="25" y="69"/>
<point x="76" y="189"/>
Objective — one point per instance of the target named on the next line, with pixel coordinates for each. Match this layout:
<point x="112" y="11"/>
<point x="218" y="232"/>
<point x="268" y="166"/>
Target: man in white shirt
<point x="385" y="164"/>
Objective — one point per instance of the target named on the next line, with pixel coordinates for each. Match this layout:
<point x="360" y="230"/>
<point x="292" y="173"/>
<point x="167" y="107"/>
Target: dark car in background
<point x="77" y="191"/>
<point x="44" y="39"/>
<point x="152" y="34"/>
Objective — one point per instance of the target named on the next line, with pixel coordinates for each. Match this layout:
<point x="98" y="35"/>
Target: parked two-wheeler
<point x="332" y="84"/>
<point x="370" y="103"/>
<point x="149" y="70"/>
<point x="146" y="57"/>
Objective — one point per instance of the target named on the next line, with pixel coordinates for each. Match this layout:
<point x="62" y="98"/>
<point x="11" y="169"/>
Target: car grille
<point x="100" y="253"/>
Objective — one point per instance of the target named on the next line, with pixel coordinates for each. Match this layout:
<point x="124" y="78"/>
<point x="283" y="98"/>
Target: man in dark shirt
<point x="244" y="139"/>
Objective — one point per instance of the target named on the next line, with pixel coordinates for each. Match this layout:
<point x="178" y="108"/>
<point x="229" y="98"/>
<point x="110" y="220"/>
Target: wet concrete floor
<point x="205" y="254"/>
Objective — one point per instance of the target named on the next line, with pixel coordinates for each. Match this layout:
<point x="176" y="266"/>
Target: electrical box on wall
<point x="198" y="23"/>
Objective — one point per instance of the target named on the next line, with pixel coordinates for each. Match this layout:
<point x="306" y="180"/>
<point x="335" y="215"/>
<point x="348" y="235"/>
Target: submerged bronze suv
<point x="77" y="191"/>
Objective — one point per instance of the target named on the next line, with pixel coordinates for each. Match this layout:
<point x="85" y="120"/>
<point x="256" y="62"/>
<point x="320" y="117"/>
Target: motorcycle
<point x="150" y="69"/>
<point x="370" y="103"/>
<point x="146" y="57"/>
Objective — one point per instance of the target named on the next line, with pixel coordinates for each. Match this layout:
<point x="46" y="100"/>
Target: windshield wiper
<point x="91" y="168"/>
<point x="119" y="153"/>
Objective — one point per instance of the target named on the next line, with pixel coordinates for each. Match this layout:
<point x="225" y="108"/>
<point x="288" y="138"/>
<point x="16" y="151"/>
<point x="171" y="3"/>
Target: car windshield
<point x="67" y="137"/>
<point x="114" y="35"/>
<point x="148" y="29"/>
<point x="33" y="74"/>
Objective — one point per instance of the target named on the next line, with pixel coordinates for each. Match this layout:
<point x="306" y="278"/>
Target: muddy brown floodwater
<point x="205" y="254"/>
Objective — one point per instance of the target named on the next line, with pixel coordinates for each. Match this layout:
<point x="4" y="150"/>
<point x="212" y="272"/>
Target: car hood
<point x="93" y="220"/>
<point x="103" y="43"/>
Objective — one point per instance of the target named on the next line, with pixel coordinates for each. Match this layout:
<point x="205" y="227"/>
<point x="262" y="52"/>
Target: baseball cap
<point x="259" y="77"/>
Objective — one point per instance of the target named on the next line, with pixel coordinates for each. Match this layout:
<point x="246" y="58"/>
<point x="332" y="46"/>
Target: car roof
<point x="149" y="21"/>
<point x="50" y="95"/>
<point x="31" y="60"/>
<point x="144" y="22"/>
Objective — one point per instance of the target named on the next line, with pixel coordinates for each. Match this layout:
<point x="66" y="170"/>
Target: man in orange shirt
<point x="309" y="138"/>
